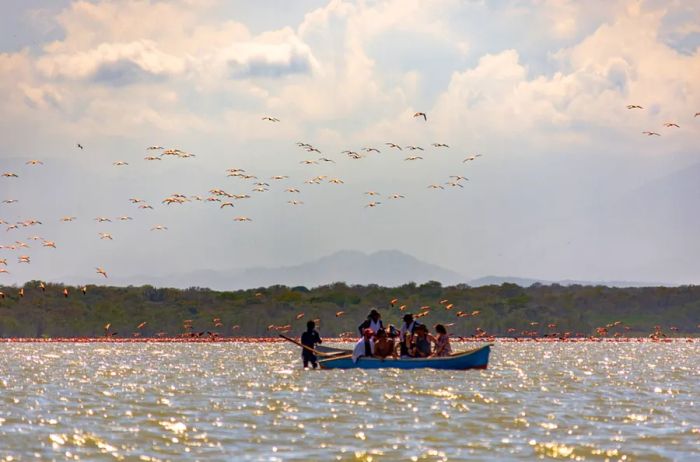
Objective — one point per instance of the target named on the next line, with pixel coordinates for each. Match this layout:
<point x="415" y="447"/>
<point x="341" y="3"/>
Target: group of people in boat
<point x="412" y="340"/>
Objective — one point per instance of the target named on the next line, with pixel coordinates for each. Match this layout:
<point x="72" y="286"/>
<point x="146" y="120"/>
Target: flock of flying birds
<point x="222" y="198"/>
<point x="225" y="199"/>
<point x="666" y="124"/>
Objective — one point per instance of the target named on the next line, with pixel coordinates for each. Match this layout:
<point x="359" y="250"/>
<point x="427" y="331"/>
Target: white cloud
<point x="119" y="63"/>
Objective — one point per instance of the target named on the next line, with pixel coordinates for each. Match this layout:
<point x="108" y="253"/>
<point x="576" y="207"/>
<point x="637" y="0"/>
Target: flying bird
<point x="80" y="146"/>
<point x="100" y="270"/>
<point x="34" y="162"/>
<point x="105" y="236"/>
<point x="413" y="158"/>
<point x="440" y="145"/>
<point x="421" y="114"/>
<point x="634" y="106"/>
<point x="271" y="119"/>
<point x="671" y="124"/>
<point x="648" y="133"/>
<point x="120" y="163"/>
<point x="159" y="228"/>
<point x="470" y="158"/>
<point x="394" y="145"/>
<point x="241" y="219"/>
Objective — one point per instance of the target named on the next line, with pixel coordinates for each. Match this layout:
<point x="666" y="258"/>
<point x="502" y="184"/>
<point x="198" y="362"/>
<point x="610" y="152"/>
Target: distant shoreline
<point x="338" y="340"/>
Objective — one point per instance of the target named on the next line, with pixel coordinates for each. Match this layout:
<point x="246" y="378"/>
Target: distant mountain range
<point x="386" y="268"/>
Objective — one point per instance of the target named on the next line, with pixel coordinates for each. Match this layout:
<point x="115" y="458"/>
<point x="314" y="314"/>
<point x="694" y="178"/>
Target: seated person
<point x="364" y="346"/>
<point x="406" y="335"/>
<point x="442" y="342"/>
<point x="383" y="345"/>
<point x="421" y="342"/>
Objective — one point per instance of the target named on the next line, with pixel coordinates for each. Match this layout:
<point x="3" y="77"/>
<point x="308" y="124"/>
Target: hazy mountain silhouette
<point x="386" y="268"/>
<point x="527" y="282"/>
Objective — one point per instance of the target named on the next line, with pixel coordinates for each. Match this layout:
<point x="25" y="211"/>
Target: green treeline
<point x="576" y="309"/>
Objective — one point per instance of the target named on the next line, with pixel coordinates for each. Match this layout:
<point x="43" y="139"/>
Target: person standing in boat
<point x="364" y="346"/>
<point x="310" y="339"/>
<point x="373" y="321"/>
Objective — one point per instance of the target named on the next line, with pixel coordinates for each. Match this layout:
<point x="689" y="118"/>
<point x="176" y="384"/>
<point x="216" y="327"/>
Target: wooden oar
<point x="318" y="353"/>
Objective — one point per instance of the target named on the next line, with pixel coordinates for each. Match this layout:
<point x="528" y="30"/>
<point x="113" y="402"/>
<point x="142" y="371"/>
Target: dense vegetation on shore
<point x="576" y="309"/>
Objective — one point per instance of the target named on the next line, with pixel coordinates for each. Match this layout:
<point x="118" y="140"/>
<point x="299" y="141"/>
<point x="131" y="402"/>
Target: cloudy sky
<point x="567" y="185"/>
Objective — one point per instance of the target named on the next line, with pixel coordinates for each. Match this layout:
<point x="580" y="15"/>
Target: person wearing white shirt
<point x="364" y="346"/>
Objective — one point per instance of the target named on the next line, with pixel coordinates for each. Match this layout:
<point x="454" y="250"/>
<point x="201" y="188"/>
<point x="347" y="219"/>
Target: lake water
<point x="577" y="401"/>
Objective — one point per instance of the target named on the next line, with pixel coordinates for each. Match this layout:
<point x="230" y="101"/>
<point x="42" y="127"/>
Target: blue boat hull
<point x="474" y="359"/>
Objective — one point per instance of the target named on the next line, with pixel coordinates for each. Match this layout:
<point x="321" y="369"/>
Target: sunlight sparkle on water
<point x="253" y="402"/>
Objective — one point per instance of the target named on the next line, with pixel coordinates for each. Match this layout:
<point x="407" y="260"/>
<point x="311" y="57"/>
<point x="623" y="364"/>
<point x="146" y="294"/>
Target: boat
<point x="477" y="358"/>
<point x="320" y="350"/>
<point x="332" y="350"/>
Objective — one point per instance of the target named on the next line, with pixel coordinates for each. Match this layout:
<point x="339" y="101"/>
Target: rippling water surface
<point x="585" y="401"/>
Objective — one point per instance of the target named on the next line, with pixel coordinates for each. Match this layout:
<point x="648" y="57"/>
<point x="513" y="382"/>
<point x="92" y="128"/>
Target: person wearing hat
<point x="373" y="321"/>
<point x="364" y="346"/>
<point x="406" y="336"/>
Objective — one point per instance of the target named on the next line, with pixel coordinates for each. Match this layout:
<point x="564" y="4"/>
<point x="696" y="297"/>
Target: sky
<point x="566" y="185"/>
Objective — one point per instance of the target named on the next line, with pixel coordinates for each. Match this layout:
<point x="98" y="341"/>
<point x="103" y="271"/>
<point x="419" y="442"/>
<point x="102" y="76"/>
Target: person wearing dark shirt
<point x="373" y="321"/>
<point x="406" y="335"/>
<point x="309" y="339"/>
<point x="421" y="342"/>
